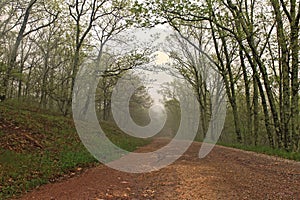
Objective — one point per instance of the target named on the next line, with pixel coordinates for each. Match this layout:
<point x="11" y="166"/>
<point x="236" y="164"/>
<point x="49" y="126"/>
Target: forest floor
<point x="225" y="173"/>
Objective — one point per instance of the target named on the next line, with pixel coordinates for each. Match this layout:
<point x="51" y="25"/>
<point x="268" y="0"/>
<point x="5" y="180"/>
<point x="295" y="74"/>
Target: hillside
<point x="38" y="148"/>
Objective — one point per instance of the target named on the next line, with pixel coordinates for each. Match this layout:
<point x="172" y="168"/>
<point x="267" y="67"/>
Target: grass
<point x="24" y="165"/>
<point x="260" y="149"/>
<point x="266" y="150"/>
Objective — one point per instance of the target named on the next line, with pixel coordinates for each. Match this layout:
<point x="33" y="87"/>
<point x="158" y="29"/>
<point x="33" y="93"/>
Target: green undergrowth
<point x="37" y="148"/>
<point x="265" y="150"/>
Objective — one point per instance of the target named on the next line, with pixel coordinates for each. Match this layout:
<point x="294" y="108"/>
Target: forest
<point x="253" y="46"/>
<point x="149" y="99"/>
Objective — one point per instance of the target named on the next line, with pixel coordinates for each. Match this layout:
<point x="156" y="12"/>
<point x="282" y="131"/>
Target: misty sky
<point x="146" y="36"/>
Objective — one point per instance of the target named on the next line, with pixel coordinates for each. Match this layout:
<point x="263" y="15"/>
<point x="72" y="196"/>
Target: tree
<point x="189" y="63"/>
<point x="243" y="35"/>
<point x="21" y="34"/>
<point x="104" y="15"/>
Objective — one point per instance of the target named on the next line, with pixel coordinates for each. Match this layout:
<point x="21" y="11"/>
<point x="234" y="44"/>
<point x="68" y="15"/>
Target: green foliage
<point x="266" y="150"/>
<point x="121" y="139"/>
<point x="3" y="67"/>
<point x="62" y="153"/>
<point x="173" y="112"/>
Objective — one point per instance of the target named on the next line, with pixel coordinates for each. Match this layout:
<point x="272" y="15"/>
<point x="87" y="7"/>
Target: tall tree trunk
<point x="284" y="60"/>
<point x="295" y="80"/>
<point x="248" y="131"/>
<point x="255" y="111"/>
<point x="266" y="112"/>
<point x="225" y="68"/>
<point x="14" y="52"/>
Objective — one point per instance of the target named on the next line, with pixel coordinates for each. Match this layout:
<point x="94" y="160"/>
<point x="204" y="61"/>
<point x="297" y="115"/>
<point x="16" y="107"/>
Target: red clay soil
<point x="225" y="174"/>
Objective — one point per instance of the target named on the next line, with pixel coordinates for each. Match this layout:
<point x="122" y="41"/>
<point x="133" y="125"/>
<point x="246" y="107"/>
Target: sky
<point x="160" y="77"/>
<point x="143" y="36"/>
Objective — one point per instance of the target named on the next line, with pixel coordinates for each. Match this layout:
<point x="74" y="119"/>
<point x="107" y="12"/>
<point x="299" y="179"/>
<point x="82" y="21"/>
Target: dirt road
<point x="225" y="174"/>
